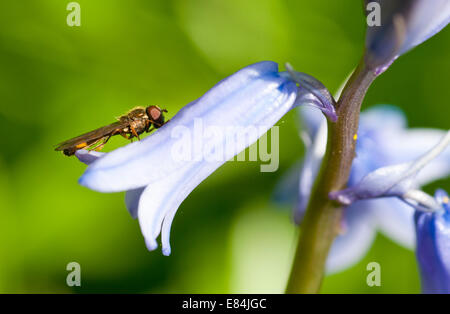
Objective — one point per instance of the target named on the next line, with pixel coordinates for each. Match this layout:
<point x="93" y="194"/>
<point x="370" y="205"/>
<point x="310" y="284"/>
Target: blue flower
<point x="433" y="245"/>
<point x="397" y="180"/>
<point x="432" y="215"/>
<point x="382" y="140"/>
<point x="404" y="24"/>
<point x="160" y="171"/>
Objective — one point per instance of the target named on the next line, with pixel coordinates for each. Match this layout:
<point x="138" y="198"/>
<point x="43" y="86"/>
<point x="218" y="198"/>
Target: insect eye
<point x="155" y="114"/>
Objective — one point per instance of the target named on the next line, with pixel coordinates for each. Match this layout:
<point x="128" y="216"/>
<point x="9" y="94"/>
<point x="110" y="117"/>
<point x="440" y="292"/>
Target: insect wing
<point x="92" y="136"/>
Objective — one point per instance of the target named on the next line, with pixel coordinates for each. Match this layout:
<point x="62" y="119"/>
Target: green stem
<point x="322" y="220"/>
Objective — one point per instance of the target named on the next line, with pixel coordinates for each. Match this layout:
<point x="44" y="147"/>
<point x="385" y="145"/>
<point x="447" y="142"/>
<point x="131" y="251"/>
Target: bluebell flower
<point x="433" y="245"/>
<point x="404" y="24"/>
<point x="397" y="180"/>
<point x="161" y="170"/>
<point x="382" y="140"/>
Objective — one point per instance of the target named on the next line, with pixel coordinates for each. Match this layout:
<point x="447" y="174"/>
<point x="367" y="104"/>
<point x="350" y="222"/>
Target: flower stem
<point x="322" y="220"/>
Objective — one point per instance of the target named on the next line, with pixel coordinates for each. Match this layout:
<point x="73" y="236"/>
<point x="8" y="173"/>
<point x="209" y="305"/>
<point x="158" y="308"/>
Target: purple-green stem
<point x="322" y="221"/>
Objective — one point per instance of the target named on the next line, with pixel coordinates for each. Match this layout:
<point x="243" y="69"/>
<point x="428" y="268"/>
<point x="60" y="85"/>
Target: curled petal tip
<point x="151" y="244"/>
<point x="100" y="181"/>
<point x="90" y="181"/>
<point x="83" y="181"/>
<point x="166" y="251"/>
<point x="88" y="157"/>
<point x="312" y="92"/>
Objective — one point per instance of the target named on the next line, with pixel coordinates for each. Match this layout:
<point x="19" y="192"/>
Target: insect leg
<point x="133" y="131"/>
<point x="105" y="140"/>
<point x="125" y="135"/>
<point x="99" y="147"/>
<point x="94" y="143"/>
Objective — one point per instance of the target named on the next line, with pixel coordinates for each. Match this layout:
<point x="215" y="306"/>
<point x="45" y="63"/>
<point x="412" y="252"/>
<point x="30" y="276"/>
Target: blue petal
<point x="395" y="219"/>
<point x="376" y="147"/>
<point x="410" y="144"/>
<point x="387" y="181"/>
<point x="132" y="198"/>
<point x="160" y="200"/>
<point x="393" y="180"/>
<point x="428" y="17"/>
<point x="404" y="25"/>
<point x="358" y="234"/>
<point x="294" y="188"/>
<point x="370" y="149"/>
<point x="88" y="157"/>
<point x="311" y="119"/>
<point x="309" y="171"/>
<point x="394" y="144"/>
<point x="313" y="93"/>
<point x="443" y="199"/>
<point x="360" y="223"/>
<point x="254" y="96"/>
<point x="286" y="189"/>
<point x="433" y="249"/>
<point x="390" y="117"/>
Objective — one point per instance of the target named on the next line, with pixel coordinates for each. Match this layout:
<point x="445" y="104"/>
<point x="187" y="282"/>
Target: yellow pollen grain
<point x="445" y="200"/>
<point x="355" y="137"/>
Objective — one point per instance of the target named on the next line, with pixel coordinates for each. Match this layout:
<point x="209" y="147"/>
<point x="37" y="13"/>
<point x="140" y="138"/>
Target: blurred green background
<point x="58" y="81"/>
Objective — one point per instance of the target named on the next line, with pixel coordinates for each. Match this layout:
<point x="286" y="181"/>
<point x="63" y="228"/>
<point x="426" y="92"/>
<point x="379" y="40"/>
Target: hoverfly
<point x="130" y="125"/>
